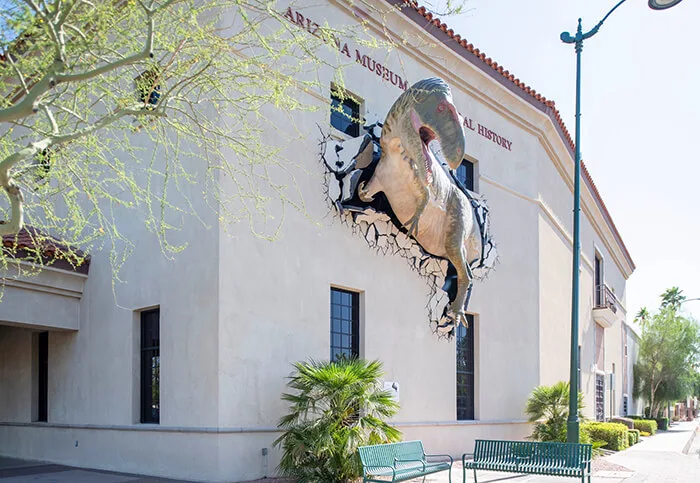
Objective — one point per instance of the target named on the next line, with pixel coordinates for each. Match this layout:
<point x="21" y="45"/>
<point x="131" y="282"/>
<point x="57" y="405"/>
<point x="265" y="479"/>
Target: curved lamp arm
<point x="567" y="38"/>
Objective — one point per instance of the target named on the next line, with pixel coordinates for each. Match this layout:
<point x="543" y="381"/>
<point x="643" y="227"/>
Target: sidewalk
<point x="668" y="457"/>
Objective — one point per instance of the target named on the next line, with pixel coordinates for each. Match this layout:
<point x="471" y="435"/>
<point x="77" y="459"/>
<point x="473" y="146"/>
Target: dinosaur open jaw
<point x="427" y="136"/>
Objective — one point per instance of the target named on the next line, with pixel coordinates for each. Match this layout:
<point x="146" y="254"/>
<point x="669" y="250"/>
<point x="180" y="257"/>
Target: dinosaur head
<point x="434" y="118"/>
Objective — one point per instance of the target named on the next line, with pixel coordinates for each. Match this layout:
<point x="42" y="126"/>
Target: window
<point x="43" y="377"/>
<point x="465" y="370"/>
<point x="150" y="366"/>
<point x="148" y="87"/>
<point x="600" y="397"/>
<point x="345" y="323"/>
<point x="578" y="367"/>
<point x="345" y="112"/>
<point x="599" y="285"/>
<point x="465" y="174"/>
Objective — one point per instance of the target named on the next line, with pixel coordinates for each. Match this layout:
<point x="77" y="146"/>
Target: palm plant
<point x="548" y="408"/>
<point x="673" y="297"/>
<point x="642" y="316"/>
<point x="335" y="408"/>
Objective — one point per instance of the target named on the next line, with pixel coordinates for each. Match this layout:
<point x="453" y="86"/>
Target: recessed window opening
<point x="465" y="370"/>
<point x="345" y="324"/>
<point x="345" y="112"/>
<point x="150" y="366"/>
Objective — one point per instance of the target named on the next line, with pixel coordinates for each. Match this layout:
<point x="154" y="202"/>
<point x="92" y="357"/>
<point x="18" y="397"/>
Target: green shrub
<point x="662" y="423"/>
<point x="548" y="409"/>
<point x="646" y="425"/>
<point x="615" y="434"/>
<point x="635" y="417"/>
<point x="644" y="433"/>
<point x="335" y="407"/>
<point x="626" y="421"/>
<point x="635" y="432"/>
<point x="630" y="439"/>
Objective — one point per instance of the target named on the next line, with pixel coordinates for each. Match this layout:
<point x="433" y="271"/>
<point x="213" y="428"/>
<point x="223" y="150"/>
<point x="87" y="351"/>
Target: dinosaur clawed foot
<point x="450" y="320"/>
<point x="364" y="194"/>
<point x="412" y="225"/>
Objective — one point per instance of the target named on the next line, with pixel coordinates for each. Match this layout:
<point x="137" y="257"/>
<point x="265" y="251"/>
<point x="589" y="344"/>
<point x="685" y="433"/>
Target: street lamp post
<point x="572" y="423"/>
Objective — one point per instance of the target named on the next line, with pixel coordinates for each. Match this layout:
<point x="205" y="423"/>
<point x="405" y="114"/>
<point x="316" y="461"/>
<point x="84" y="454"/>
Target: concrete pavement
<point x="671" y="456"/>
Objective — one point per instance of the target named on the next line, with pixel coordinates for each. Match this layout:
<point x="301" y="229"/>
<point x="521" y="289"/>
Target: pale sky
<point x="640" y="117"/>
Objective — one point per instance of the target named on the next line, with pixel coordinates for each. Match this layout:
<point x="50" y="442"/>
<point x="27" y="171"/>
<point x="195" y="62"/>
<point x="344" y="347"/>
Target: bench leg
<point x="474" y="475"/>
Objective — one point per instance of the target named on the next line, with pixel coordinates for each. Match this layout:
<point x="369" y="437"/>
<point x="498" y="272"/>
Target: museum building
<point x="180" y="373"/>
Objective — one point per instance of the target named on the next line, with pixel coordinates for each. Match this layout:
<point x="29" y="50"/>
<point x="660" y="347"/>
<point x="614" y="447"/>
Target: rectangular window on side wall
<point x="345" y="112"/>
<point x="465" y="370"/>
<point x="345" y="323"/>
<point x="42" y="392"/>
<point x="599" y="281"/>
<point x="578" y="367"/>
<point x="150" y="366"/>
<point x="465" y="174"/>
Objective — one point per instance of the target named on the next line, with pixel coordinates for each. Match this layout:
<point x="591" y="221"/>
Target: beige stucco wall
<point x="236" y="311"/>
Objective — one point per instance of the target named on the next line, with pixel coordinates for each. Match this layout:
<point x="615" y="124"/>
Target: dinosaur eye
<point x="441" y="107"/>
<point x="338" y="148"/>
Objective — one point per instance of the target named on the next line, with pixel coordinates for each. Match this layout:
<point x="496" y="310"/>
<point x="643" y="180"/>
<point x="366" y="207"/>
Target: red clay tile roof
<point x="33" y="244"/>
<point x="479" y="59"/>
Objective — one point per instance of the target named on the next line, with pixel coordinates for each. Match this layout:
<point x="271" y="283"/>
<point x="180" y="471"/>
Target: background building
<point x="180" y="376"/>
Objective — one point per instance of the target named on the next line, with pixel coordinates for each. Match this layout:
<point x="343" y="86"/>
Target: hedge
<point x="646" y="425"/>
<point x="662" y="423"/>
<point x="626" y="421"/>
<point x="630" y="439"/>
<point x="636" y="434"/>
<point x="615" y="434"/>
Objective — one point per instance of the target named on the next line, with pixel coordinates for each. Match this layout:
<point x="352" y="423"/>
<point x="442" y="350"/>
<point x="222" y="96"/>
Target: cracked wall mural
<point x="396" y="187"/>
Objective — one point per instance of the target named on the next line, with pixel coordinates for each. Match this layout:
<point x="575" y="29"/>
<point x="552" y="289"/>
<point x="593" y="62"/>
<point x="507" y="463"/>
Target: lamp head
<point x="663" y="4"/>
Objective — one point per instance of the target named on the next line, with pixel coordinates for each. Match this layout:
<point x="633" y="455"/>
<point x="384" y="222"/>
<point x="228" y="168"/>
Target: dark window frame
<point x="344" y="323"/>
<point x="43" y="377"/>
<point x="150" y="366"/>
<point x="598" y="280"/>
<point x="465" y="174"/>
<point x="599" y="397"/>
<point x="345" y="112"/>
<point x="465" y="386"/>
<point x="578" y="367"/>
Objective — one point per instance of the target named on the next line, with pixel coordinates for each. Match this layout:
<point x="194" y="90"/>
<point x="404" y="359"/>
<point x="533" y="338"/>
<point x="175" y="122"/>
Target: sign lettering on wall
<point x="365" y="60"/>
<point x="382" y="71"/>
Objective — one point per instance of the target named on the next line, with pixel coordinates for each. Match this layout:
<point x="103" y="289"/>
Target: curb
<point x="690" y="441"/>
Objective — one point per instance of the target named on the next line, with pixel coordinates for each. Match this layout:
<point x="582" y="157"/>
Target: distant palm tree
<point x="548" y="408"/>
<point x="335" y="408"/>
<point x="673" y="298"/>
<point x="642" y="316"/>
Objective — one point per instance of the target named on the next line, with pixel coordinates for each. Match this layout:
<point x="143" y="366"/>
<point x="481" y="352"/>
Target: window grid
<point x="465" y="174"/>
<point x="345" y="114"/>
<point x="345" y="323"/>
<point x="465" y="370"/>
<point x="150" y="366"/>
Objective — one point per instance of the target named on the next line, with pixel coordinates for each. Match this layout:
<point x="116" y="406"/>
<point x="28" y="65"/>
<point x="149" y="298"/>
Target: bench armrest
<point x="440" y="456"/>
<point x="396" y="460"/>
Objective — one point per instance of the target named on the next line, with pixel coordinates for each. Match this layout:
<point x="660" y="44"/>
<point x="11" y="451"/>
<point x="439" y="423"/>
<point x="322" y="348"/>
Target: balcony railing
<point x="605" y="298"/>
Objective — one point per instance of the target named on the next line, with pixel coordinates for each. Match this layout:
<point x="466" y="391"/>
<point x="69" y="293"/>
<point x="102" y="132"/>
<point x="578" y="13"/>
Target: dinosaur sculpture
<point x="421" y="191"/>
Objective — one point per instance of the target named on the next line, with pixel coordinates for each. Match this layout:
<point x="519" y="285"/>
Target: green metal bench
<point x="400" y="462"/>
<point x="555" y="459"/>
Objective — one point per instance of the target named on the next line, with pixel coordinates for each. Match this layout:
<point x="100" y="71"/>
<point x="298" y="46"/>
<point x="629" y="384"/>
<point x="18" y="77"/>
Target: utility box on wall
<point x="393" y="388"/>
